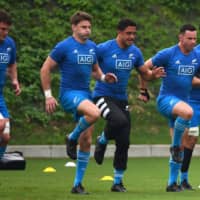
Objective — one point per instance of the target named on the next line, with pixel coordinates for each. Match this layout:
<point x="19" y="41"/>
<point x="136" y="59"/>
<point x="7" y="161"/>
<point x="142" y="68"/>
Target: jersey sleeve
<point x="100" y="50"/>
<point x="140" y="59"/>
<point x="161" y="58"/>
<point x="13" y="53"/>
<point x="57" y="53"/>
<point x="95" y="57"/>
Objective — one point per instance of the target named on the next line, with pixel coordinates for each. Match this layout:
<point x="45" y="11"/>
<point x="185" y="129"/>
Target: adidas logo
<point x="178" y="62"/>
<point x="131" y="55"/>
<point x="114" y="56"/>
<point x="91" y="51"/>
<point x="75" y="51"/>
<point x="194" y="61"/>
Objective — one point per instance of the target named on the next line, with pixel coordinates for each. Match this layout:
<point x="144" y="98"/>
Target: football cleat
<point x="79" y="189"/>
<point x="99" y="151"/>
<point x="71" y="148"/>
<point x="118" y="188"/>
<point x="185" y="185"/>
<point x="173" y="188"/>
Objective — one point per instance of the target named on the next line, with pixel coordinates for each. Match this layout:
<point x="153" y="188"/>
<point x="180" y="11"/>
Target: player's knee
<point x="2" y="125"/>
<point x="5" y="138"/>
<point x="191" y="138"/>
<point x="5" y="130"/>
<point x="193" y="142"/>
<point x="95" y="115"/>
<point x="190" y="142"/>
<point x="189" y="114"/>
<point x="118" y="122"/>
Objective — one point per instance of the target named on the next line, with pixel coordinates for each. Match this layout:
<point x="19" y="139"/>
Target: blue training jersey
<point x="119" y="61"/>
<point x="195" y="92"/>
<point x="180" y="69"/>
<point x="75" y="62"/>
<point x="7" y="57"/>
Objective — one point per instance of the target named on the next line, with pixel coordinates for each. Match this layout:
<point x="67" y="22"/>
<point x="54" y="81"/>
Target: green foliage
<point x="39" y="24"/>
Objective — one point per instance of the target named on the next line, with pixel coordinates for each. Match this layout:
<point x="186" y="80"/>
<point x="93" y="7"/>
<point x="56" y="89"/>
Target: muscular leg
<point x="120" y="132"/>
<point x="4" y="135"/>
<point x="173" y="167"/>
<point x="184" y="113"/>
<point x="83" y="156"/>
<point x="90" y="114"/>
<point x="189" y="140"/>
<point x="118" y="128"/>
<point x="121" y="154"/>
<point x="115" y="120"/>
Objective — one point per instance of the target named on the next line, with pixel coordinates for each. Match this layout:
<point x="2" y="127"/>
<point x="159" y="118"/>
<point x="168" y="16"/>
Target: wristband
<point x="144" y="92"/>
<point x="47" y="93"/>
<point x="103" y="78"/>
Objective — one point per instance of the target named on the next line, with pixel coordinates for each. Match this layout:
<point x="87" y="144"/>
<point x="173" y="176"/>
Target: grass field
<point x="145" y="179"/>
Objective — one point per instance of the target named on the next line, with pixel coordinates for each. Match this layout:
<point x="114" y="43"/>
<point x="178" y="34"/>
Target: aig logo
<point x="85" y="59"/>
<point x="123" y="64"/>
<point x="4" y="58"/>
<point x="185" y="70"/>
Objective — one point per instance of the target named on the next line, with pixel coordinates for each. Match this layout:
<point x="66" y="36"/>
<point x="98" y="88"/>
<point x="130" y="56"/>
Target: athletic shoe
<point x="173" y="188"/>
<point x="176" y="154"/>
<point x="118" y="188"/>
<point x="99" y="151"/>
<point x="71" y="148"/>
<point x="185" y="185"/>
<point x="79" y="189"/>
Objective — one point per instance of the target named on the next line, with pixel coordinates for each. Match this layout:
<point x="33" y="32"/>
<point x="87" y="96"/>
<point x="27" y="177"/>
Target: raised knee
<point x="2" y="125"/>
<point x="189" y="114"/>
<point x="5" y="130"/>
<point x="5" y="138"/>
<point x="190" y="142"/>
<point x="96" y="114"/>
<point x="119" y="122"/>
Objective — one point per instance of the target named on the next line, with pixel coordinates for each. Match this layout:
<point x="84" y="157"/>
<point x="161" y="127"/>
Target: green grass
<point x="145" y="179"/>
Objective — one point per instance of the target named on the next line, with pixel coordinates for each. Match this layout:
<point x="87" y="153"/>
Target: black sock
<point x="186" y="159"/>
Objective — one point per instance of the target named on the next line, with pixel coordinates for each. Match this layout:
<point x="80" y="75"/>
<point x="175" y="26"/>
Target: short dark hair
<point x="5" y="17"/>
<point x="124" y="23"/>
<point x="80" y="16"/>
<point x="187" y="27"/>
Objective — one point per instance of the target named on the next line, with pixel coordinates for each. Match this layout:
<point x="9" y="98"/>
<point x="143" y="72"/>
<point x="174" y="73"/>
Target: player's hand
<point x="144" y="95"/>
<point x="16" y="87"/>
<point x="158" y="72"/>
<point x="50" y="104"/>
<point x="110" y="78"/>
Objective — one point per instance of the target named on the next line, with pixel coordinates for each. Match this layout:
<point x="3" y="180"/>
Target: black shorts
<point x="117" y="116"/>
